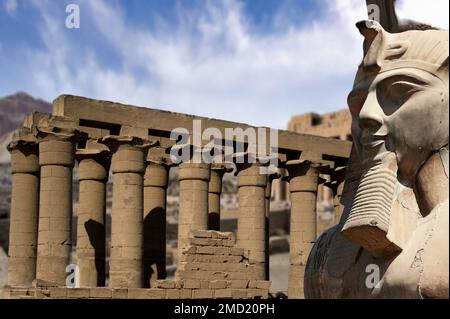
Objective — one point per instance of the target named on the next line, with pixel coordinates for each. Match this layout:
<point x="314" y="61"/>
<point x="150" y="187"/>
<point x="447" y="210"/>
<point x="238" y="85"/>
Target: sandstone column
<point x="155" y="187"/>
<point x="127" y="166"/>
<point x="337" y="187"/>
<point x="56" y="158"/>
<point x="268" y="195"/>
<point x="280" y="186"/>
<point x="24" y="213"/>
<point x="193" y="211"/>
<point x="91" y="229"/>
<point x="214" y="191"/>
<point x="251" y="232"/>
<point x="303" y="183"/>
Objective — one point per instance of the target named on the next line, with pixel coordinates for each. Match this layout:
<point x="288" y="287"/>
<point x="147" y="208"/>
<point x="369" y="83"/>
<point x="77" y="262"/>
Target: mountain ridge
<point x="13" y="109"/>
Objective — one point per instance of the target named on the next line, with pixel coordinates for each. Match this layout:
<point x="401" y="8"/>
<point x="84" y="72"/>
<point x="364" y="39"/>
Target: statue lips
<point x="373" y="149"/>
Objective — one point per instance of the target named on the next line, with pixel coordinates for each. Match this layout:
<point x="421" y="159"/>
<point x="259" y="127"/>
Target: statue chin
<point x="368" y="222"/>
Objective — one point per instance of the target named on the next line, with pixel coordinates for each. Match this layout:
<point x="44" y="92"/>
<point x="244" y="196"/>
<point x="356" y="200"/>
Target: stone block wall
<point x="211" y="267"/>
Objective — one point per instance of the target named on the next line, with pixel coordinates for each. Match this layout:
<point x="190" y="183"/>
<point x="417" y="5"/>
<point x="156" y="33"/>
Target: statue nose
<point x="371" y="114"/>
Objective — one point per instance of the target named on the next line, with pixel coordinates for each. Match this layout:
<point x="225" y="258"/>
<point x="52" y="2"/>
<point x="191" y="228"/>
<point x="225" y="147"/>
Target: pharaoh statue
<point x="393" y="237"/>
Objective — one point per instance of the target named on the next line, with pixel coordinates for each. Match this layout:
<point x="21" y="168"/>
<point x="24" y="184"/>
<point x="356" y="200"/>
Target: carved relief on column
<point x="56" y="158"/>
<point x="214" y="191"/>
<point x="127" y="166"/>
<point x="193" y="210"/>
<point x="303" y="183"/>
<point x="156" y="180"/>
<point x="24" y="212"/>
<point x="91" y="215"/>
<point x="251" y="231"/>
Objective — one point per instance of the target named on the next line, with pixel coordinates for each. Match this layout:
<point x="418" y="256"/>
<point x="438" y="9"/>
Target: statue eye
<point x="401" y="91"/>
<point x="393" y="93"/>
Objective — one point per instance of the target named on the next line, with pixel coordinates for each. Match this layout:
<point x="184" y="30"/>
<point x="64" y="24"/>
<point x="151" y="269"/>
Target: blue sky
<point x="253" y="61"/>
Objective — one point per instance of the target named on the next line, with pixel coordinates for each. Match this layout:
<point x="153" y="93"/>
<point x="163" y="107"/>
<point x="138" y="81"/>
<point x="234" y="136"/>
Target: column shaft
<point x="24" y="215"/>
<point x="303" y="188"/>
<point x="91" y="228"/>
<point x="251" y="232"/>
<point x="155" y="187"/>
<point x="268" y="195"/>
<point x="193" y="210"/>
<point x="214" y="191"/>
<point x="126" y="266"/>
<point x="55" y="210"/>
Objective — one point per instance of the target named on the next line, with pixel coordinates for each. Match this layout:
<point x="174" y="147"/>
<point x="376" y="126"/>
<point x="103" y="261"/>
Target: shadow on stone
<point x="97" y="237"/>
<point x="154" y="246"/>
<point x="214" y="221"/>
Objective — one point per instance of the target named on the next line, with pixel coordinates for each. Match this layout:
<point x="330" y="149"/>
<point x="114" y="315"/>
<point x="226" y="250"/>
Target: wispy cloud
<point x="434" y="12"/>
<point x="210" y="62"/>
<point x="10" y="7"/>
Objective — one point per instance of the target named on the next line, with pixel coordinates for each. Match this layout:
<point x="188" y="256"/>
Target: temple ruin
<point x="132" y="145"/>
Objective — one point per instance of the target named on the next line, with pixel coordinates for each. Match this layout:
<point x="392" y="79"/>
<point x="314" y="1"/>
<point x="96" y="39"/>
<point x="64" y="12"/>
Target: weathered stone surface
<point x="403" y="231"/>
<point x="101" y="292"/>
<point x="78" y="293"/>
<point x="202" y="293"/>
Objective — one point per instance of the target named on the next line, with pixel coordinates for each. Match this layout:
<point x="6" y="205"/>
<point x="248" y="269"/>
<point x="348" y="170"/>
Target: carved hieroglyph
<point x="392" y="240"/>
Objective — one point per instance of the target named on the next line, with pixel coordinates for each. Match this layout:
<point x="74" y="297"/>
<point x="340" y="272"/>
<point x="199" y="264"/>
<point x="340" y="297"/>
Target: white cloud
<point x="211" y="64"/>
<point x="434" y="12"/>
<point x="10" y="7"/>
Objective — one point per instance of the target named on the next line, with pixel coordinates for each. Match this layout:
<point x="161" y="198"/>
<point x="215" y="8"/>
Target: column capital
<point x="273" y="176"/>
<point x="115" y="142"/>
<point x="249" y="173"/>
<point x="57" y="133"/>
<point x="270" y="178"/>
<point x="217" y="172"/>
<point x="337" y="178"/>
<point x="22" y="138"/>
<point x="93" y="164"/>
<point x="301" y="167"/>
<point x="156" y="174"/>
<point x="303" y="176"/>
<point x="24" y="153"/>
<point x="199" y="171"/>
<point x="245" y="160"/>
<point x="157" y="155"/>
<point x="129" y="153"/>
<point x="221" y="168"/>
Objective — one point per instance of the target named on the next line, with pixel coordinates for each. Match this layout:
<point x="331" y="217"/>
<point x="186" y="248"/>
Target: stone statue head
<point x="399" y="107"/>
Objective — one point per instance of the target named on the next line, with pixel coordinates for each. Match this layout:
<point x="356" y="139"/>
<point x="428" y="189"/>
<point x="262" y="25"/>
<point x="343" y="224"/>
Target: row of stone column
<point x="41" y="211"/>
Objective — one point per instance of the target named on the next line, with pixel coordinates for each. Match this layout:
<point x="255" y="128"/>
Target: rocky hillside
<point x="13" y="109"/>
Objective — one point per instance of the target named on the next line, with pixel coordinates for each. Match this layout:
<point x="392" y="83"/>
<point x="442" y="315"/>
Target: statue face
<point x="404" y="111"/>
<point x="399" y="107"/>
<point x="399" y="102"/>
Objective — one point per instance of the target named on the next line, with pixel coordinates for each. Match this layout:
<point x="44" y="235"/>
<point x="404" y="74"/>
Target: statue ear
<point x="374" y="36"/>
